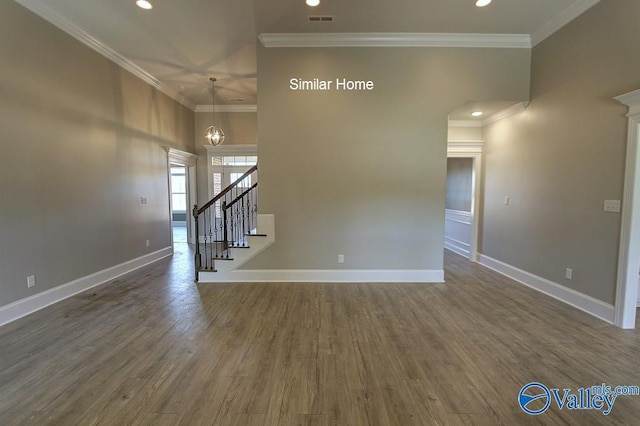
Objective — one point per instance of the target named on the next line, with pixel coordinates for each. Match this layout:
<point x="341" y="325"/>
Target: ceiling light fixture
<point x="214" y="134"/>
<point x="144" y="4"/>
<point x="477" y="113"/>
<point x="313" y="3"/>
<point x="483" y="3"/>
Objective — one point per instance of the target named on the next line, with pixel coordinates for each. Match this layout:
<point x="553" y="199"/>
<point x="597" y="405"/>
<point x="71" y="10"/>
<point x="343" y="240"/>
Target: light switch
<point x="612" y="206"/>
<point x="507" y="200"/>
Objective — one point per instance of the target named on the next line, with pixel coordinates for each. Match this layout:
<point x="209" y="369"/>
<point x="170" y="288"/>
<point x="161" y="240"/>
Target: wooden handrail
<point x="239" y="197"/>
<point x="226" y="190"/>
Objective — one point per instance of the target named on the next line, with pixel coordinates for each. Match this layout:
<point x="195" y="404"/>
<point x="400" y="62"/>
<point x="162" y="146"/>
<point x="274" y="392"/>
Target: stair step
<point x="256" y="235"/>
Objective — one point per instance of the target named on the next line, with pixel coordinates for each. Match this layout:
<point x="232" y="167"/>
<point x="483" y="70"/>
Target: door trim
<point x="629" y="253"/>
<point x="471" y="149"/>
<point x="188" y="160"/>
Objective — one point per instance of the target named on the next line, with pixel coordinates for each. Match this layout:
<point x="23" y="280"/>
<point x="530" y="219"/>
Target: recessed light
<point x="477" y="113"/>
<point x="313" y="3"/>
<point x="144" y="4"/>
<point x="483" y="3"/>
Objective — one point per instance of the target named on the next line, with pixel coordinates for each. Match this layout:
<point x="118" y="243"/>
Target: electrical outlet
<point x="612" y="206"/>
<point x="568" y="273"/>
<point x="341" y="258"/>
<point x="147" y="243"/>
<point x="31" y="281"/>
<point x="144" y="200"/>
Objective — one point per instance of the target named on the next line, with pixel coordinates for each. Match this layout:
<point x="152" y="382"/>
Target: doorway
<point x="179" y="204"/>
<point x="458" y="203"/>
<point x="627" y="299"/>
<point x="462" y="215"/>
<point x="182" y="195"/>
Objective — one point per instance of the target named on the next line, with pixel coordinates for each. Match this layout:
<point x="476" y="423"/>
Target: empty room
<point x="314" y="212"/>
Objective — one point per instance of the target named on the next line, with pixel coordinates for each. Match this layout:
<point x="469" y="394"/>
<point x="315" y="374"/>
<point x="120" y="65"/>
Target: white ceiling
<point x="178" y="45"/>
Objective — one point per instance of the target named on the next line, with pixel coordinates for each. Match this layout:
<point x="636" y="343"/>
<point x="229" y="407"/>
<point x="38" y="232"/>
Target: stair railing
<point x="225" y="221"/>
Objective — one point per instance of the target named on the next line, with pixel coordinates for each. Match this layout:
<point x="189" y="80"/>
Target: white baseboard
<point x="26" y="306"/>
<point x="578" y="300"/>
<point x="456" y="246"/>
<point x="337" y="276"/>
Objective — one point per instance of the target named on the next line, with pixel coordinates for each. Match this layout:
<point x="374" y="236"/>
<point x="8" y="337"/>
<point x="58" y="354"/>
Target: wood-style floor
<point x="153" y="348"/>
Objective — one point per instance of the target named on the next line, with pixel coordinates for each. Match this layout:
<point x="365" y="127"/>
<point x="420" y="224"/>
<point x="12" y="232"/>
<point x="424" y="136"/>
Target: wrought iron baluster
<point x="244" y="222"/>
<point x="197" y="258"/>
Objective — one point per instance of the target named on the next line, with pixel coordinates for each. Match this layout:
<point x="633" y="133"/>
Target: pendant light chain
<point x="214" y="134"/>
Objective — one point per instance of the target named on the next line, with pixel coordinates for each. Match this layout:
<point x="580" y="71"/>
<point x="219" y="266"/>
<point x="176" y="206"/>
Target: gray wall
<point x="459" y="184"/>
<point x="82" y="140"/>
<point x="363" y="173"/>
<point x="562" y="157"/>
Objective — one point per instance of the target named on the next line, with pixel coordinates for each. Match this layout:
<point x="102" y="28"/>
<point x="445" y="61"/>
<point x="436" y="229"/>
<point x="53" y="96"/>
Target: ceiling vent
<point x="320" y="18"/>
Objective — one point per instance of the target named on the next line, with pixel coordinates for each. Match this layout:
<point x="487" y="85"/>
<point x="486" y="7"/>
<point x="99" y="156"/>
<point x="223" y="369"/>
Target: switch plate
<point x="612" y="206"/>
<point x="507" y="200"/>
<point x="31" y="281"/>
<point x="341" y="258"/>
<point x="147" y="243"/>
<point x="568" y="273"/>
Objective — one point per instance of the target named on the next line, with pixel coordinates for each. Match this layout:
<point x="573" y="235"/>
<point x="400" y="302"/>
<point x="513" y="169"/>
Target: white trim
<point x="224" y="150"/>
<point x="588" y="304"/>
<point x="465" y="146"/>
<point x="24" y="307"/>
<point x="629" y="251"/>
<point x="48" y="14"/>
<point x="458" y="216"/>
<point x="227" y="108"/>
<point x="500" y="115"/>
<point x="631" y="99"/>
<point x="507" y="112"/>
<point x="337" y="276"/>
<point x="456" y="246"/>
<point x="471" y="149"/>
<point x="229" y="150"/>
<point x="181" y="157"/>
<point x="189" y="161"/>
<point x="577" y="8"/>
<point x="464" y="123"/>
<point x="513" y="41"/>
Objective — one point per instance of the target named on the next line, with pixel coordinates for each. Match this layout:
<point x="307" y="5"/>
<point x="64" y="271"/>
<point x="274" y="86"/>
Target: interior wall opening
<point x="179" y="207"/>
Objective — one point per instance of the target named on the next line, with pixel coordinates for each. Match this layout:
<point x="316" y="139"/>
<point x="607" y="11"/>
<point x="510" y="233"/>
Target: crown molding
<point x="630" y="99"/>
<point x="472" y="144"/>
<point x="81" y="35"/>
<point x="182" y="157"/>
<point x="517" y="41"/>
<point x="227" y="108"/>
<point x="577" y="8"/>
<point x="465" y="123"/>
<point x="500" y="115"/>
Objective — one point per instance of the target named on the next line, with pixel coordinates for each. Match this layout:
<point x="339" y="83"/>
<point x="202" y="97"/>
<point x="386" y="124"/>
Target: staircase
<point x="230" y="230"/>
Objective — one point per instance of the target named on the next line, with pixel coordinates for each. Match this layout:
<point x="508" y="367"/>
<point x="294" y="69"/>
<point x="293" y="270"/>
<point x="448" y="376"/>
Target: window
<point x="178" y="189"/>
<point x="246" y="182"/>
